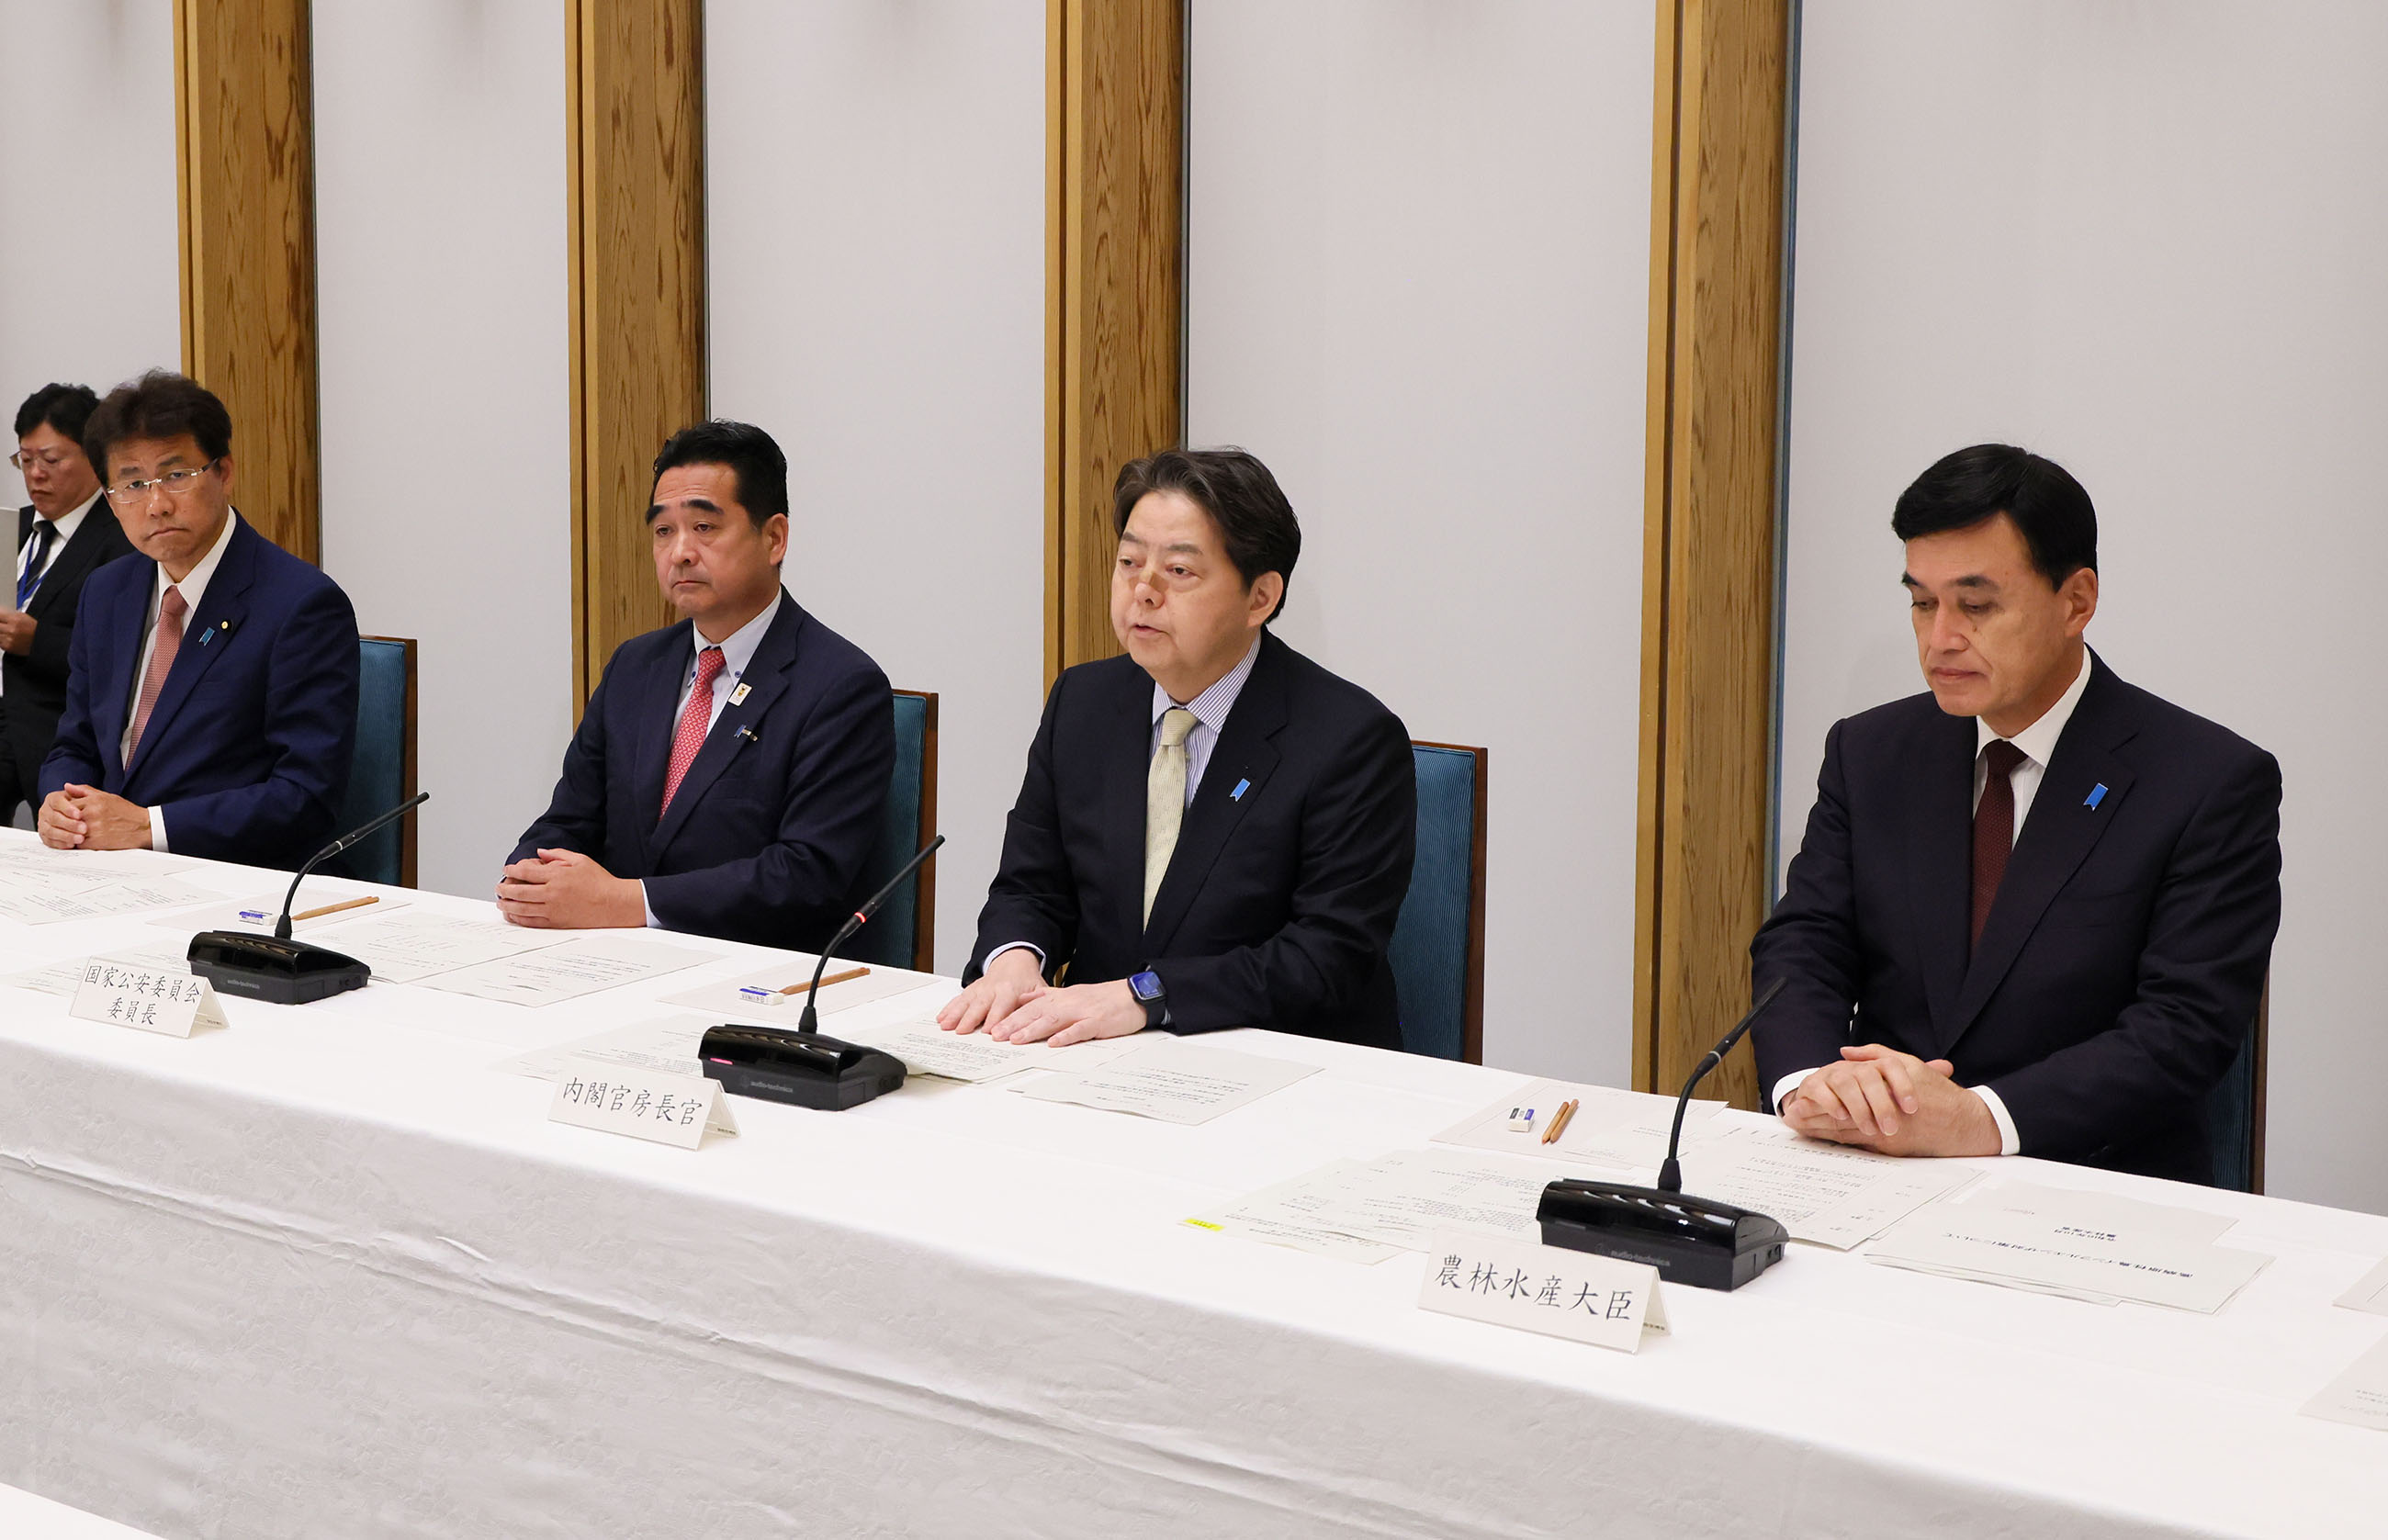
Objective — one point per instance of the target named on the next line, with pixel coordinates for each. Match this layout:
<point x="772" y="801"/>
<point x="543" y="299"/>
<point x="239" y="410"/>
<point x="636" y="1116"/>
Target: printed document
<point x="928" y="1049"/>
<point x="1822" y="1193"/>
<point x="2371" y="1292"/>
<point x="1399" y="1201"/>
<point x="2084" y="1245"/>
<point x="667" y="1044"/>
<point x="2359" y="1395"/>
<point x="566" y="972"/>
<point x="410" y="948"/>
<point x="1174" y="1081"/>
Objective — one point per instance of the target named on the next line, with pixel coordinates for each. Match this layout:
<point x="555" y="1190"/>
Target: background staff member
<point x="62" y="536"/>
<point x="729" y="773"/>
<point x="212" y="697"/>
<point x="1213" y="830"/>
<point x="2046" y="898"/>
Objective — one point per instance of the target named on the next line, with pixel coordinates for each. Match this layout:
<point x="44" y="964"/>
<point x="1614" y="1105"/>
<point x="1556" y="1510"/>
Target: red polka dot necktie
<point x="694" y="719"/>
<point x="1993" y="828"/>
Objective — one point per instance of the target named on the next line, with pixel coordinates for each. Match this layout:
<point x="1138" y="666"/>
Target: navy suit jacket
<point x="1279" y="899"/>
<point x="767" y="838"/>
<point x="2122" y="963"/>
<point x="36" y="684"/>
<point x="248" y="748"/>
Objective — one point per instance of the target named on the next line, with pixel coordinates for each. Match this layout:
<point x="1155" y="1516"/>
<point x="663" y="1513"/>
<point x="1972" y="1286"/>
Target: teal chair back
<point x="1438" y="952"/>
<point x="903" y="934"/>
<point x="382" y="775"/>
<point x="2234" y="1116"/>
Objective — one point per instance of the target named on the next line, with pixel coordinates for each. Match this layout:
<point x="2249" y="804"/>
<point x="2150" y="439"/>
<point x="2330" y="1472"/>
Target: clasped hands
<point x="85" y="817"/>
<point x="1012" y="1002"/>
<point x="1880" y="1099"/>
<point x="565" y="890"/>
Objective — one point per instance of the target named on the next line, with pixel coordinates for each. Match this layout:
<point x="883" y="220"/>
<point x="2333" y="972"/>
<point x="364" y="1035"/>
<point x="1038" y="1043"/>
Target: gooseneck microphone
<point x="282" y="925"/>
<point x="810" y="1021"/>
<point x="275" y="968"/>
<point x="1670" y="1175"/>
<point x="1695" y="1241"/>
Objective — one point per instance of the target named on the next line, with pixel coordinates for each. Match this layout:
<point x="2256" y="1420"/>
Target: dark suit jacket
<point x="34" y="692"/>
<point x="1278" y="903"/>
<point x="2121" y="965"/>
<point x="248" y="748"/>
<point x="767" y="838"/>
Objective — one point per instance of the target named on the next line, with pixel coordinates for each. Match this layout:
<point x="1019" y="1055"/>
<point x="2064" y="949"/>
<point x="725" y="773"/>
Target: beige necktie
<point x="171" y="610"/>
<point x="1165" y="799"/>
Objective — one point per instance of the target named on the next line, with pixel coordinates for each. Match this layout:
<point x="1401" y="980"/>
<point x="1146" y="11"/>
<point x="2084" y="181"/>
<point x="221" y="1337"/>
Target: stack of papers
<point x="40" y="885"/>
<point x="1620" y="1129"/>
<point x="2091" y="1246"/>
<point x="1825" y="1194"/>
<point x="1365" y="1211"/>
<point x="1177" y="1082"/>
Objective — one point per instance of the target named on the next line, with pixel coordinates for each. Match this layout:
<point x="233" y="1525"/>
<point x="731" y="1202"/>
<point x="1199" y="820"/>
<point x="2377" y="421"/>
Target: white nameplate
<point x="1547" y="1289"/>
<point x="153" y="1000"/>
<point x="645" y="1104"/>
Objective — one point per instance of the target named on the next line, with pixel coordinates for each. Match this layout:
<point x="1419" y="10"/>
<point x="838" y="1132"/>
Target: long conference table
<point x="330" y="1272"/>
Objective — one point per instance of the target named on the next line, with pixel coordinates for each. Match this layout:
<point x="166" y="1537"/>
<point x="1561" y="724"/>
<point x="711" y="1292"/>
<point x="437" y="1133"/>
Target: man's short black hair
<point x="2048" y="506"/>
<point x="1256" y="522"/>
<point x="160" y="404"/>
<point x="752" y="456"/>
<point x="64" y="406"/>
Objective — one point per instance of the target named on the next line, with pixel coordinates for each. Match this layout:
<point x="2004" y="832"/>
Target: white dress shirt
<point x="62" y="529"/>
<point x="195" y="588"/>
<point x="1210" y="709"/>
<point x="737" y="652"/>
<point x="2037" y="744"/>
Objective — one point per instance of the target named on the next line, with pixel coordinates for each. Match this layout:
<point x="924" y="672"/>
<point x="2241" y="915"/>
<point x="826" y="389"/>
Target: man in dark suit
<point x="212" y="691"/>
<point x="731" y="772"/>
<point x="1213" y="830"/>
<point x="62" y="536"/>
<point x="2033" y="910"/>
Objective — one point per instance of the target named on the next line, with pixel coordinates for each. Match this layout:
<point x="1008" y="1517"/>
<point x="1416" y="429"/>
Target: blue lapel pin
<point x="205" y="636"/>
<point x="1238" y="794"/>
<point x="2097" y="795"/>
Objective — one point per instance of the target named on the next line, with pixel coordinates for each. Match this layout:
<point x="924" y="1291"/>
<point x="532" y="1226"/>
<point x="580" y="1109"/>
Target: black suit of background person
<point x="2083" y="1004"/>
<point x="1274" y="902"/>
<point x="63" y="536"/>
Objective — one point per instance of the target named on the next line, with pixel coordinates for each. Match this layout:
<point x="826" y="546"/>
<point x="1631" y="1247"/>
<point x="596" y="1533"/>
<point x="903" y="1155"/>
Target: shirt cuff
<point x="1014" y="946"/>
<point x="1787" y="1084"/>
<point x="2010" y="1142"/>
<point x="649" y="905"/>
<point x="157" y="829"/>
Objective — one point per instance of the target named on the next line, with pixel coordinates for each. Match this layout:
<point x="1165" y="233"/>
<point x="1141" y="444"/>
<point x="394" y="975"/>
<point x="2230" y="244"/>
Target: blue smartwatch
<point x="1146" y="987"/>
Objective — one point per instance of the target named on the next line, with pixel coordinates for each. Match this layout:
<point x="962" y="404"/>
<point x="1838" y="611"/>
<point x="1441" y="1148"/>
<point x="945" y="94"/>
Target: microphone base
<point x="265" y="967"/>
<point x="802" y="1070"/>
<point x="1694" y="1241"/>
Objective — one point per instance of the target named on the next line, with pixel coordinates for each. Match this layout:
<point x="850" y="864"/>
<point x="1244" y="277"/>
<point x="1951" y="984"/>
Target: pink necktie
<point x="694" y="718"/>
<point x="171" y="610"/>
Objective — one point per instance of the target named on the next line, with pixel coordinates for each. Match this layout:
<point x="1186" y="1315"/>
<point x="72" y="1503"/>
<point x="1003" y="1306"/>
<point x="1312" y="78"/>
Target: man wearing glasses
<point x="212" y="696"/>
<point x="62" y="536"/>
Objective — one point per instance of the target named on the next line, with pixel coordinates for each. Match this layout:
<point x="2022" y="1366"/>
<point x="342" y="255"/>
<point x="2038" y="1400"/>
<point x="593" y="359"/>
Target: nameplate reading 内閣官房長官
<point x="644" y="1104"/>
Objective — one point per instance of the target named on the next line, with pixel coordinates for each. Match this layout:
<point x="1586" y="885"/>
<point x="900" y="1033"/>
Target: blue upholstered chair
<point x="382" y="775"/>
<point x="903" y="934"/>
<point x="2234" y="1114"/>
<point x="1438" y="952"/>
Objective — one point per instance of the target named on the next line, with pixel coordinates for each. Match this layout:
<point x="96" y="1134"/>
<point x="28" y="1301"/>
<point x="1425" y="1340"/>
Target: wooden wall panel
<point x="1115" y="87"/>
<point x="244" y="153"/>
<point x="636" y="104"/>
<point x="1716" y="324"/>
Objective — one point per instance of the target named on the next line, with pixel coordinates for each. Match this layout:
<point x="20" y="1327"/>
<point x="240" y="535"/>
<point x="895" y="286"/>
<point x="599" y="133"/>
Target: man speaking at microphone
<point x="211" y="689"/>
<point x="2033" y="909"/>
<point x="731" y="770"/>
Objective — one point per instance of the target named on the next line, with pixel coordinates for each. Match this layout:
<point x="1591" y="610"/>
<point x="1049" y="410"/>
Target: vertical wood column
<point x="245" y="154"/>
<point x="1708" y="595"/>
<point x="1115" y="91"/>
<point x="635" y="98"/>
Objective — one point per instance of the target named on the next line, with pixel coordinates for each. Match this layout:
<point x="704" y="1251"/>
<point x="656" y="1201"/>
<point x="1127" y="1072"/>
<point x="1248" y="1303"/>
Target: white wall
<point x="2145" y="240"/>
<point x="875" y="205"/>
<point x="440" y="245"/>
<point x="90" y="272"/>
<point x="1419" y="262"/>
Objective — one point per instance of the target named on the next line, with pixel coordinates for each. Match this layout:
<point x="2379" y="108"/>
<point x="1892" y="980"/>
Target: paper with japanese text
<point x="1547" y="1289"/>
<point x="644" y="1104"/>
<point x="1287" y="1214"/>
<point x="2369" y="1293"/>
<point x="1822" y="1193"/>
<point x="1611" y="1128"/>
<point x="667" y="1044"/>
<point x="583" y="965"/>
<point x="66" y="976"/>
<point x="170" y="1002"/>
<point x="2359" y="1395"/>
<point x="48" y="897"/>
<point x="928" y="1049"/>
<point x="2073" y="1249"/>
<point x="1172" y="1080"/>
<point x="1397" y="1200"/>
<point x="410" y="948"/>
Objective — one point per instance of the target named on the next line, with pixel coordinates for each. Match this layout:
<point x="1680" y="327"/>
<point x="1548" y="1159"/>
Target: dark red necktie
<point x="1993" y="828"/>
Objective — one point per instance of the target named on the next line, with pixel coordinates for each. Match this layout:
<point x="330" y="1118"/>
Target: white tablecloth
<point x="329" y="1273"/>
